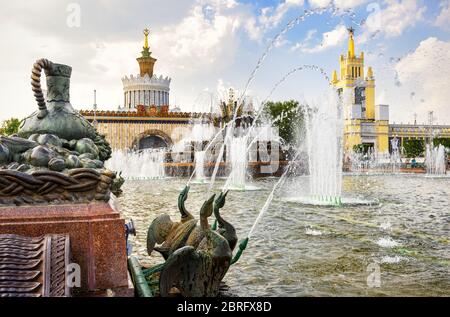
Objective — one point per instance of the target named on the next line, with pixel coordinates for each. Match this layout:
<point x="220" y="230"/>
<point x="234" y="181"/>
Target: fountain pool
<point x="299" y="250"/>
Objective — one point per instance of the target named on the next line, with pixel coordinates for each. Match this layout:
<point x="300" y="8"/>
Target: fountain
<point x="138" y="165"/>
<point x="324" y="133"/>
<point x="324" y="137"/>
<point x="238" y="160"/>
<point x="375" y="163"/>
<point x="436" y="160"/>
<point x="396" y="159"/>
<point x="200" y="177"/>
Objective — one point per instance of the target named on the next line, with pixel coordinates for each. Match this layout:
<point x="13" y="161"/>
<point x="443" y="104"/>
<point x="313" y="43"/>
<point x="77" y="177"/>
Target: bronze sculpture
<point x="57" y="156"/>
<point x="197" y="257"/>
<point x="34" y="267"/>
<point x="225" y="228"/>
<point x="198" y="271"/>
<point x="171" y="235"/>
<point x="57" y="116"/>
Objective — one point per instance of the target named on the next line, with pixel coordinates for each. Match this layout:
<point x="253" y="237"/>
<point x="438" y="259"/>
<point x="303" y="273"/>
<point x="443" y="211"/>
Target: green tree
<point x="442" y="141"/>
<point x="287" y="117"/>
<point x="414" y="147"/>
<point x="10" y="126"/>
<point x="362" y="148"/>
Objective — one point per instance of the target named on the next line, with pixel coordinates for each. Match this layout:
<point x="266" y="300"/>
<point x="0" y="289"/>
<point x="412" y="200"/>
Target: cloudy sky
<point x="206" y="46"/>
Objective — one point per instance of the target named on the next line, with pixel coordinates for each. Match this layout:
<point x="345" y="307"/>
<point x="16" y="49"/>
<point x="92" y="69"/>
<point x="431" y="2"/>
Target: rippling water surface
<point x="322" y="251"/>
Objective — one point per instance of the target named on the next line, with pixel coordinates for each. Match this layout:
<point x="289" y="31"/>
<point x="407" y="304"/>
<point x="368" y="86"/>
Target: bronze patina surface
<point x="34" y="267"/>
<point x="53" y="181"/>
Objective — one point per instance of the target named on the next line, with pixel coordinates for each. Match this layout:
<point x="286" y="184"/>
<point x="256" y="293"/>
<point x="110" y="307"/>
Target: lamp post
<point x="430" y="121"/>
<point x="95" y="123"/>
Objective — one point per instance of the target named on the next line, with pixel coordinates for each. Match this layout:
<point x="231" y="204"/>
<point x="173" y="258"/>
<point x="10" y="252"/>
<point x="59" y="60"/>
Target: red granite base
<point x="97" y="237"/>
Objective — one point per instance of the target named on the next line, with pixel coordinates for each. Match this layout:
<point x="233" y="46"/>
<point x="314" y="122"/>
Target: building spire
<point x="351" y="42"/>
<point x="146" y="33"/>
<point x="146" y="52"/>
<point x="334" y="78"/>
<point x="146" y="61"/>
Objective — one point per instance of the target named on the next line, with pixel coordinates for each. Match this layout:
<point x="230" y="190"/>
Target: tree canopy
<point x="414" y="147"/>
<point x="287" y="117"/>
<point x="10" y="126"/>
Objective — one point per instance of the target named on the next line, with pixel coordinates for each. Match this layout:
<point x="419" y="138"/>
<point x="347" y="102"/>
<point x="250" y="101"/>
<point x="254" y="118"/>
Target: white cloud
<point x="270" y="17"/>
<point x="443" y="20"/>
<point x="301" y="45"/>
<point x="197" y="40"/>
<point x="423" y="76"/>
<point x="342" y="4"/>
<point x="192" y="45"/>
<point x="329" y="39"/>
<point x="393" y="20"/>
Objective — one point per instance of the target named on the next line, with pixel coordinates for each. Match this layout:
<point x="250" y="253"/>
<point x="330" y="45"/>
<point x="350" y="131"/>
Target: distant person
<point x="413" y="163"/>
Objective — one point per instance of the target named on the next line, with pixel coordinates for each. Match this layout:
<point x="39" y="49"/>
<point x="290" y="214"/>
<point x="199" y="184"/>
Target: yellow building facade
<point x="364" y="122"/>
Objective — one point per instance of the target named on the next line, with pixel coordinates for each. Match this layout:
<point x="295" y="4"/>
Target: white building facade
<point x="146" y="91"/>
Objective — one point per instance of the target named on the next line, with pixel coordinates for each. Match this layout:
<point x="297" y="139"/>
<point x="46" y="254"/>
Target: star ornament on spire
<point x="351" y="30"/>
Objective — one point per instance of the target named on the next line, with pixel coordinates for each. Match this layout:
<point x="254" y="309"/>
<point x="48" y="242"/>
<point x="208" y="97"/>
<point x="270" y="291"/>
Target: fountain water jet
<point x="200" y="167"/>
<point x="324" y="137"/>
<point x="238" y="158"/>
<point x="435" y="160"/>
<point x="324" y="145"/>
<point x="138" y="165"/>
<point x="335" y="11"/>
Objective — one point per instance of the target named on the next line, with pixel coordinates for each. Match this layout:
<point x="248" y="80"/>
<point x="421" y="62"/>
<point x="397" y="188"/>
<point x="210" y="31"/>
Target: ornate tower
<point x="365" y="123"/>
<point x="146" y="61"/>
<point x="146" y="89"/>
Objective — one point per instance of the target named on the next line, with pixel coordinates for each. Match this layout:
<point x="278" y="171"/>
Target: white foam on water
<point x="386" y="226"/>
<point x="387" y="242"/>
<point x="329" y="201"/>
<point x="312" y="232"/>
<point x="393" y="259"/>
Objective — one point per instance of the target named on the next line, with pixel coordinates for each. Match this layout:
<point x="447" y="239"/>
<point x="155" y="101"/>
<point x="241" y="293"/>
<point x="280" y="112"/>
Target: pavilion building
<point x="365" y="122"/>
<point x="145" y="120"/>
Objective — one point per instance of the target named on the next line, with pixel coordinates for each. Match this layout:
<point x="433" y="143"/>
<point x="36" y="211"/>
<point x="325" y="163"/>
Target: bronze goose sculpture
<point x="197" y="234"/>
<point x="198" y="271"/>
<point x="171" y="235"/>
<point x="225" y="228"/>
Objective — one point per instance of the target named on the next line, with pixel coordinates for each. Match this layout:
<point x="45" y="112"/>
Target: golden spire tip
<point x="146" y="33"/>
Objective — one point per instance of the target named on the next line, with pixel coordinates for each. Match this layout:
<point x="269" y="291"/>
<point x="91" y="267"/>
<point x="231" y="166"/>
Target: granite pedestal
<point x="97" y="235"/>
